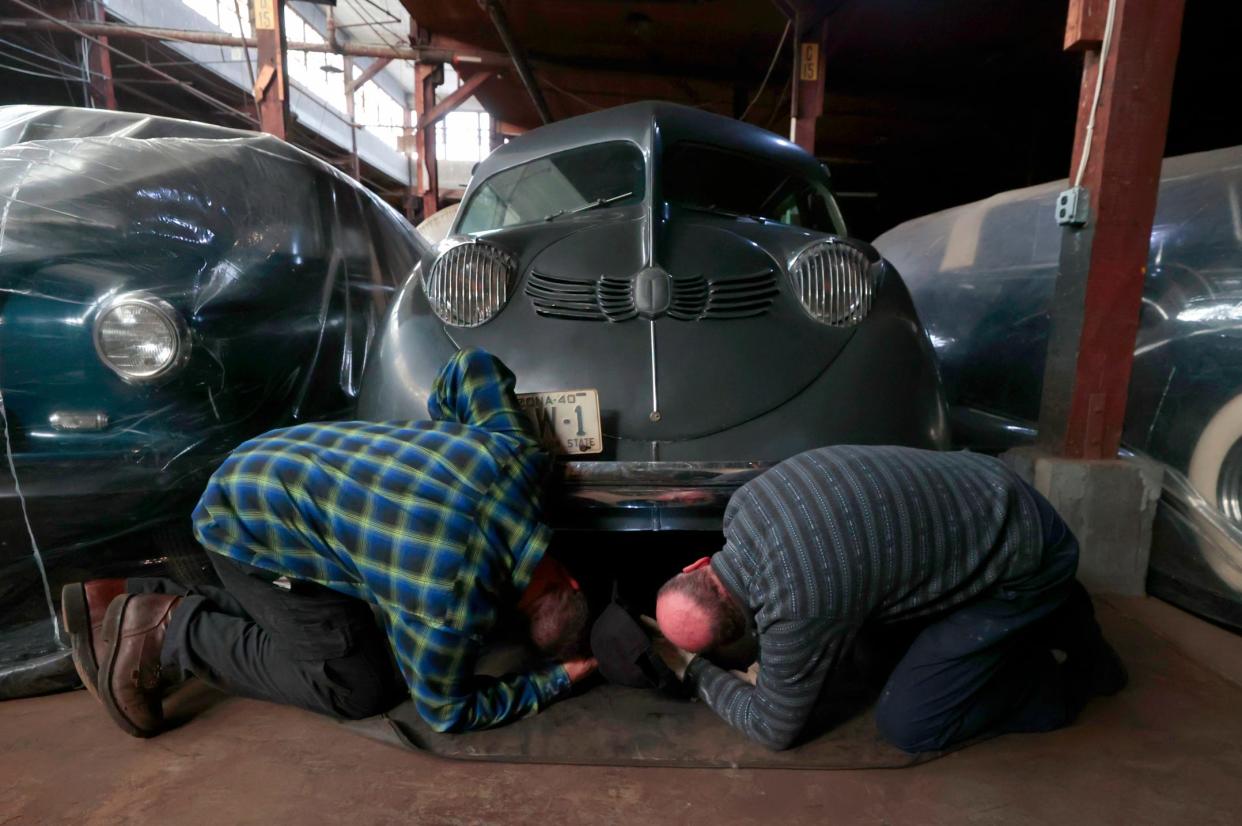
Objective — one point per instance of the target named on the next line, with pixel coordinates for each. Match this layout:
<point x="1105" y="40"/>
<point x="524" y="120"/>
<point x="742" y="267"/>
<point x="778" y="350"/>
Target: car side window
<point x="709" y="178"/>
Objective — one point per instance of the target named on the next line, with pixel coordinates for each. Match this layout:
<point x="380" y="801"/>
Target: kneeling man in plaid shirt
<point x="435" y="523"/>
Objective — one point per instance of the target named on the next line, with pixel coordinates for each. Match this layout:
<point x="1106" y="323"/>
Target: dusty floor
<point x="1166" y="751"/>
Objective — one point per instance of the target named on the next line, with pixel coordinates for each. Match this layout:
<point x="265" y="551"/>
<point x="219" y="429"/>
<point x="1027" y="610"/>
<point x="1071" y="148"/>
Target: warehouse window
<point x="461" y="136"/>
<point x="379" y="113"/>
<point x="319" y="73"/>
<point x="224" y="14"/>
<point x="464" y="136"/>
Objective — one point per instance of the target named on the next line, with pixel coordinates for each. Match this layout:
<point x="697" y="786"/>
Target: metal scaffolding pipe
<point x="421" y="53"/>
<point x="494" y="10"/>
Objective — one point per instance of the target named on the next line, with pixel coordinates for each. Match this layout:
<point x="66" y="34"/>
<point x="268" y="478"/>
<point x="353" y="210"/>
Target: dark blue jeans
<point x="987" y="667"/>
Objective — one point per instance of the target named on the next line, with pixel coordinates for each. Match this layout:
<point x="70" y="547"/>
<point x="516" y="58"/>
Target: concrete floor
<point x="1168" y="750"/>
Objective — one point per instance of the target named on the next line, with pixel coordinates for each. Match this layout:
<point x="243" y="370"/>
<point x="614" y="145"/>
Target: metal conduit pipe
<point x="421" y="53"/>
<point x="501" y="22"/>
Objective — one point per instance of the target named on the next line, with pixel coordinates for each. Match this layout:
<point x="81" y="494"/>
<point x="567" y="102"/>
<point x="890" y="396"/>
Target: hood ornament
<point x="653" y="293"/>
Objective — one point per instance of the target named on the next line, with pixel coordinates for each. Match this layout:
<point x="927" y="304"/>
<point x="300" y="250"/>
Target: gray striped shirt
<point x="841" y="535"/>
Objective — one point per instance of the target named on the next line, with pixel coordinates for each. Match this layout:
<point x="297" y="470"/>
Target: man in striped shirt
<point x="435" y="523"/>
<point x="838" y="537"/>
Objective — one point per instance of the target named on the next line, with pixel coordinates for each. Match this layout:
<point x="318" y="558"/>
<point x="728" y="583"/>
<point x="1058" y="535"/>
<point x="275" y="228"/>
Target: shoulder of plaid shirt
<point x="436" y="522"/>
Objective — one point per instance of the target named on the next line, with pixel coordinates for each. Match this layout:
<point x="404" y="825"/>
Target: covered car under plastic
<point x="168" y="289"/>
<point x="982" y="277"/>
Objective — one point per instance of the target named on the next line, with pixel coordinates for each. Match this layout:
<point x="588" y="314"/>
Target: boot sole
<point x="112" y="631"/>
<point x="77" y="618"/>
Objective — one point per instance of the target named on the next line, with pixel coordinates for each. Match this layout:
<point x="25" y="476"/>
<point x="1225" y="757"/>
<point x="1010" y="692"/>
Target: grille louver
<point x="616" y="298"/>
<point x="606" y="299"/>
<point x="742" y="297"/>
<point x="612" y="299"/>
<point x="835" y="283"/>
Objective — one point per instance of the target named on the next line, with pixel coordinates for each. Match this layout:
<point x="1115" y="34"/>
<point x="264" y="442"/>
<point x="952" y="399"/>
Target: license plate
<point x="567" y="420"/>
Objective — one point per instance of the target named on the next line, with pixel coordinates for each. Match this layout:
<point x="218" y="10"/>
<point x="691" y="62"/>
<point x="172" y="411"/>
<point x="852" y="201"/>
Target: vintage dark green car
<point x="167" y="290"/>
<point x="677" y="293"/>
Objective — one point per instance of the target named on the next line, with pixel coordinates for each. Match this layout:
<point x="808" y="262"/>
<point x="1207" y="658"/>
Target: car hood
<point x="727" y="343"/>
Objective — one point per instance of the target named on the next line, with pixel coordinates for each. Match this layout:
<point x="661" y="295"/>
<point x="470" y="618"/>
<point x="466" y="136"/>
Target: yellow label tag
<point x="265" y="14"/>
<point x="808" y="66"/>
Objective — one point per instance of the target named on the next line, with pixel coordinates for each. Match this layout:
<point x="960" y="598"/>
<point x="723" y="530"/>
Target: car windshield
<point x="718" y="180"/>
<point x="606" y="174"/>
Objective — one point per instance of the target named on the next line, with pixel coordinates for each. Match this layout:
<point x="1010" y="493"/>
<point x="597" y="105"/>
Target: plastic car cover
<point x="982" y="278"/>
<point x="273" y="270"/>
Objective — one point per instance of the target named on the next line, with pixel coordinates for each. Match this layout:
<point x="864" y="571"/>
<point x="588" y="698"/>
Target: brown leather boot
<point x="82" y="609"/>
<point x="129" y="673"/>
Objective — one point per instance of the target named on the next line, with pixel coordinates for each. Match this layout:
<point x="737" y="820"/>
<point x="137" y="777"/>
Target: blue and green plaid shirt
<point x="436" y="522"/>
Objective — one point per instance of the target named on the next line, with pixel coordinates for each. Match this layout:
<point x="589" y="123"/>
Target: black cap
<point x="621" y="645"/>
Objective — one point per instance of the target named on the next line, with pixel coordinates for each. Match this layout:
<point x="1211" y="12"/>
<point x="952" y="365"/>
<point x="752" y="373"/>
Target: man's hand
<point x="750" y="675"/>
<point x="675" y="658"/>
<point x="580" y="668"/>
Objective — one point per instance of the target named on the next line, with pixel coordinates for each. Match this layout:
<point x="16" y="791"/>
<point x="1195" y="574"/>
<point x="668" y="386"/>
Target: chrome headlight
<point x="469" y="283"/>
<point x="141" y="337"/>
<point x="835" y="281"/>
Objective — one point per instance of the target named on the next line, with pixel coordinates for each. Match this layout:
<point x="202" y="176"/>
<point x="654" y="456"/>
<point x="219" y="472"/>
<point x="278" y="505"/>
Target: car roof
<point x="648" y="124"/>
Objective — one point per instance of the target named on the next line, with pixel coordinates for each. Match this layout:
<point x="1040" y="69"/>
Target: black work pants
<point x="987" y="667"/>
<point x="305" y="645"/>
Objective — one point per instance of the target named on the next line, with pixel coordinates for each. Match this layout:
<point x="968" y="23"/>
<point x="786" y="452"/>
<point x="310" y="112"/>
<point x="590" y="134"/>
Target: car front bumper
<point x="645" y="496"/>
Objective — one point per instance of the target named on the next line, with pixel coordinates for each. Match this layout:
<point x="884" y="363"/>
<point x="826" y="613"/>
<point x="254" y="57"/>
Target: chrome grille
<point x="834" y="282"/>
<point x="469" y="283"/>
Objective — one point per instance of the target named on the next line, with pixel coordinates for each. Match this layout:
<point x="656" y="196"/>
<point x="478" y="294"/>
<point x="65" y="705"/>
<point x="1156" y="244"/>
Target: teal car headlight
<point x="140" y="337"/>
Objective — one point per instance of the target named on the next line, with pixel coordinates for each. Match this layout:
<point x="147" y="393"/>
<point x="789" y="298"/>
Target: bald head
<point x="695" y="612"/>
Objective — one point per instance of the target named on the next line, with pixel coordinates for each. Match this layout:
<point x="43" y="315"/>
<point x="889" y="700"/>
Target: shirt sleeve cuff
<point x="694" y="671"/>
<point x="551" y="682"/>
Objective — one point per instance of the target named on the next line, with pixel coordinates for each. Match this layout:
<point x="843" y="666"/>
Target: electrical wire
<point x="44" y="56"/>
<point x="392" y="18"/>
<point x="249" y="65"/>
<point x="215" y="103"/>
<point x="44" y="67"/>
<point x="53" y="49"/>
<point x="1099" y="84"/>
<point x="374" y="25"/>
<point x="33" y="73"/>
<point x="780" y="99"/>
<point x="775" y="56"/>
<point x="84" y="62"/>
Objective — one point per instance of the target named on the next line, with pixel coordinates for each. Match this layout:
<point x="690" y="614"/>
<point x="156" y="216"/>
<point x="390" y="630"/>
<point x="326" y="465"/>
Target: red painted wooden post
<point x="808" y="102"/>
<point x="99" y="61"/>
<point x="271" y="85"/>
<point x="426" y="77"/>
<point x="1095" y="310"/>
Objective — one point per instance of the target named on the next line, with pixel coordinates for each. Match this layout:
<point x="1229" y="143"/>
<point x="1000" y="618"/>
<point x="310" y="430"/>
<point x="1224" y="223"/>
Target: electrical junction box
<point x="1072" y="206"/>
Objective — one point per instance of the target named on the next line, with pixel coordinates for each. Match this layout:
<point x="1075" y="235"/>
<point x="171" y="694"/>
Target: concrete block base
<point x="1109" y="505"/>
